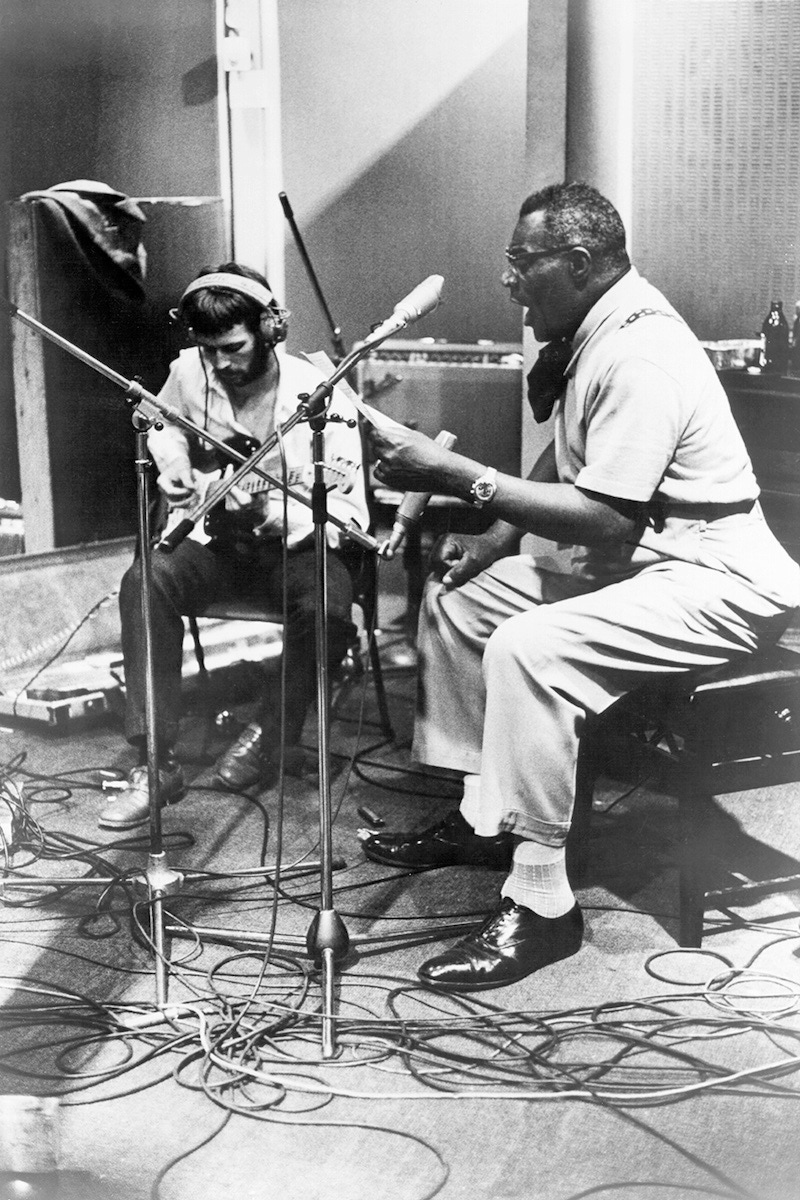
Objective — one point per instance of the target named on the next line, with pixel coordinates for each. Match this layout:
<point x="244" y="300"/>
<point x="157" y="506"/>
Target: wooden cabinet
<point x="767" y="411"/>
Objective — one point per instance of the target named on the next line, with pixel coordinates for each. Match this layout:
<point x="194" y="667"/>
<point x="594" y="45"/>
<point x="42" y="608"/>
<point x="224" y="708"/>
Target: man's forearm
<point x="557" y="511"/>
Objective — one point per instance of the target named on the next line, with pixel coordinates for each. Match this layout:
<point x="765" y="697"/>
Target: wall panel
<point x="403" y="152"/>
<point x="716" y="157"/>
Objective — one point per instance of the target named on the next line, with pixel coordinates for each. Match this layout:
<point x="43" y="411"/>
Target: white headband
<point x="233" y="283"/>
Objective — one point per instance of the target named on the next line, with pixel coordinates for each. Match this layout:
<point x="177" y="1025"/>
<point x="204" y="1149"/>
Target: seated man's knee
<point x="447" y="605"/>
<point x="530" y="636"/>
<point x="165" y="584"/>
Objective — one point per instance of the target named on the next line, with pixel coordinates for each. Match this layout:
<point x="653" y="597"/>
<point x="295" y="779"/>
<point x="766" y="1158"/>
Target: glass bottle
<point x="776" y="340"/>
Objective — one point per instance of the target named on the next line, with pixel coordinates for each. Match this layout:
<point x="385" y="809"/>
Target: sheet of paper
<point x="380" y="420"/>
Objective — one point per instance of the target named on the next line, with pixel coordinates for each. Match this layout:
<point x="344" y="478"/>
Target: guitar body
<point x="240" y="530"/>
<point x="232" y="529"/>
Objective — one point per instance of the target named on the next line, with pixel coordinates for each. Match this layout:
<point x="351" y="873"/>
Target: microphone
<point x="423" y="299"/>
<point x="411" y="507"/>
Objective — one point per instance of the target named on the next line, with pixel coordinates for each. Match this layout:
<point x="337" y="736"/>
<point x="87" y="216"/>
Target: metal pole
<point x="327" y="936"/>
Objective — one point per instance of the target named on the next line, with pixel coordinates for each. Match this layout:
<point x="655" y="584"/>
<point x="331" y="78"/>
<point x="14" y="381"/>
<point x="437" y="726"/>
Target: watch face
<point x="482" y="491"/>
<point x="484" y="488"/>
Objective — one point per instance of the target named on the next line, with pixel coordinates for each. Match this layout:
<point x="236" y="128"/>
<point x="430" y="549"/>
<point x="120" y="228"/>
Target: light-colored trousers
<point x="512" y="663"/>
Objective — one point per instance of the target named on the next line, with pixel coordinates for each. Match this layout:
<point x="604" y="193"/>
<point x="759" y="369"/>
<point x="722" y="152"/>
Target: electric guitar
<point x="241" y="529"/>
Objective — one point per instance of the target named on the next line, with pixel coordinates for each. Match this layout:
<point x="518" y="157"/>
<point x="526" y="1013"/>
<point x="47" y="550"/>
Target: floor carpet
<point x="631" y="1070"/>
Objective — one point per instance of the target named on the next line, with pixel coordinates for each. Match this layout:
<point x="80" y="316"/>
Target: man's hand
<point x="178" y="483"/>
<point x="237" y="499"/>
<point x="458" y="557"/>
<point x="408" y="460"/>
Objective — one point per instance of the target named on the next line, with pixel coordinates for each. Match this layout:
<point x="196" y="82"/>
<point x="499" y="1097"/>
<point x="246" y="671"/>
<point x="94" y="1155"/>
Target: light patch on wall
<point x="387" y="65"/>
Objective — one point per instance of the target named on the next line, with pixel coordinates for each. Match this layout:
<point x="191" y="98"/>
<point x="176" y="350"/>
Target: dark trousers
<point x="186" y="581"/>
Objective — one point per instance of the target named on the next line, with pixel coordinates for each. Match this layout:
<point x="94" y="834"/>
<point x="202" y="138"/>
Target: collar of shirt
<point x="621" y="295"/>
<point x="221" y="394"/>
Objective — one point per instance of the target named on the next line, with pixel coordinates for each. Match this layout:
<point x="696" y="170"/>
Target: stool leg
<point x="586" y="774"/>
<point x="204" y="682"/>
<point x="691" y="884"/>
<point x="367" y="598"/>
<point x="198" y="649"/>
<point x="380" y="689"/>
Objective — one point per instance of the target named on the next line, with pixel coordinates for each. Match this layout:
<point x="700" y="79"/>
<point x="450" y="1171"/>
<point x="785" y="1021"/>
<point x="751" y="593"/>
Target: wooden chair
<point x="364" y="571"/>
<point x="726" y="729"/>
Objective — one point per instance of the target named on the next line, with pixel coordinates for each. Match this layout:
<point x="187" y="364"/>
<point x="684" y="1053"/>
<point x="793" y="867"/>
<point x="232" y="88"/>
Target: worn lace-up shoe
<point x="511" y="943"/>
<point x="250" y="761"/>
<point x="131" y="807"/>
<point x="243" y="763"/>
<point x="451" y="842"/>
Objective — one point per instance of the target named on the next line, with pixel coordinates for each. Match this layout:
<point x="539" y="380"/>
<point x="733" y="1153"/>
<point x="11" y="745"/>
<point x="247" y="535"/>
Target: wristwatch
<point x="484" y="488"/>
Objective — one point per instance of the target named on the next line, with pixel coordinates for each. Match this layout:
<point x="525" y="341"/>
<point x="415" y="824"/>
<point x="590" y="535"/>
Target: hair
<point x="577" y="214"/>
<point x="209" y="312"/>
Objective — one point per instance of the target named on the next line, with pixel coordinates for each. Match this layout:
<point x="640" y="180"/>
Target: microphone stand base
<point x="327" y="932"/>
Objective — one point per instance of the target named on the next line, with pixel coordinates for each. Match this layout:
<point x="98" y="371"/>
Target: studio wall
<point x="716" y="154"/>
<point x="403" y="150"/>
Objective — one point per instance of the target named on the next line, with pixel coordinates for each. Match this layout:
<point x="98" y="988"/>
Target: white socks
<point x="538" y="879"/>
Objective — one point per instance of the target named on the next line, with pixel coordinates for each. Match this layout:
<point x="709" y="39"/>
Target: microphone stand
<point x="336" y="333"/>
<point x="159" y="877"/>
<point x="327" y="938"/>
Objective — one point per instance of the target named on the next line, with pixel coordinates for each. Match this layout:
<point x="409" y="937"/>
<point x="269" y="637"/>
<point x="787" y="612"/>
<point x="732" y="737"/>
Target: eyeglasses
<point x="521" y="260"/>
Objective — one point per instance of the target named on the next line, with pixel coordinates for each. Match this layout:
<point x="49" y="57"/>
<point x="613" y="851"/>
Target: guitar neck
<point x="332" y="474"/>
<point x="252" y="484"/>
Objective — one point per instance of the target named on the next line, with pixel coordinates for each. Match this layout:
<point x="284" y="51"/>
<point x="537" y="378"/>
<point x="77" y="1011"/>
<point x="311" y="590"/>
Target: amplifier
<point x="474" y="391"/>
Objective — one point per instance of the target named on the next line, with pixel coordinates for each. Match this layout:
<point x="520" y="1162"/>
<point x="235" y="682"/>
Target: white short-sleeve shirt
<point x="645" y="418"/>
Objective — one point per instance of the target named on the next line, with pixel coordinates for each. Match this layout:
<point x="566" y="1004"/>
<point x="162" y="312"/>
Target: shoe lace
<point x="498" y="918"/>
<point x="453" y="821"/>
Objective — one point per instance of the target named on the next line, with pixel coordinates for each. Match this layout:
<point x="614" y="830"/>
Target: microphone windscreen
<point x="423" y="299"/>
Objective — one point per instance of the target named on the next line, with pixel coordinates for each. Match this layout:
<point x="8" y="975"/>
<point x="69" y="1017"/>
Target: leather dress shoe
<point x="131" y="807"/>
<point x="511" y="943"/>
<point x="249" y="761"/>
<point x="451" y="842"/>
<point x="243" y="763"/>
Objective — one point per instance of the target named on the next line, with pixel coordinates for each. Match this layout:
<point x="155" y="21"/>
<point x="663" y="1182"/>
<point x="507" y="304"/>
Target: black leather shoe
<point x="450" y="843"/>
<point x="249" y="761"/>
<point x="243" y="763"/>
<point x="512" y="943"/>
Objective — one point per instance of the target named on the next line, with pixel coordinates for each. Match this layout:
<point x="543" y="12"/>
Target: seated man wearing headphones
<point x="233" y="384"/>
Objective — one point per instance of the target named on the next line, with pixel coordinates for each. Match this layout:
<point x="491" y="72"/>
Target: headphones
<point x="274" y="321"/>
